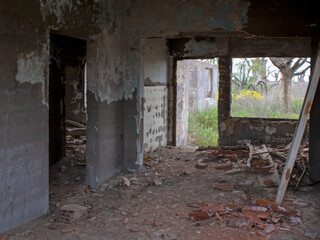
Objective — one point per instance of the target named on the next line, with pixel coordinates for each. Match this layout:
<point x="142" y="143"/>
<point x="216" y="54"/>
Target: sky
<point x="271" y="67"/>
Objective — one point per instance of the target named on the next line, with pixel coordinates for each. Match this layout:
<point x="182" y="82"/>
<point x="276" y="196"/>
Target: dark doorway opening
<point x="67" y="100"/>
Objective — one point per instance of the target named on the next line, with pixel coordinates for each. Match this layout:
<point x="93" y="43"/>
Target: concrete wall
<point x="24" y="111"/>
<point x="155" y="102"/>
<point x="203" y="84"/>
<point x="155" y="117"/>
<point x="24" y="188"/>
<point x="234" y="130"/>
<point x="113" y="30"/>
<point x="182" y="113"/>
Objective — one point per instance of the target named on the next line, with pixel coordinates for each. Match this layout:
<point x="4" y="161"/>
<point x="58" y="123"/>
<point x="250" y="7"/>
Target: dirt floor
<point x="176" y="187"/>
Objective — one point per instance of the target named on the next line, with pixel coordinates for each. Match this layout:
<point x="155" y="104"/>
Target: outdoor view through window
<point x="269" y="87"/>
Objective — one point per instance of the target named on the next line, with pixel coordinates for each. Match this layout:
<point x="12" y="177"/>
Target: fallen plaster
<point x="32" y="68"/>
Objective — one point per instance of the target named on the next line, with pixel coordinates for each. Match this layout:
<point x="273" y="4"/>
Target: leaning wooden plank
<point x="286" y="174"/>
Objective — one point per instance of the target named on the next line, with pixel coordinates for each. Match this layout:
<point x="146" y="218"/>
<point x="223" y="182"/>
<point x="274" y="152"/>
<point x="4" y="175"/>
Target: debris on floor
<point x="175" y="196"/>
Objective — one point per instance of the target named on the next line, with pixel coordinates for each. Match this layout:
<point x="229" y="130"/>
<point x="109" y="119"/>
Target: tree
<point x="251" y="74"/>
<point x="288" y="68"/>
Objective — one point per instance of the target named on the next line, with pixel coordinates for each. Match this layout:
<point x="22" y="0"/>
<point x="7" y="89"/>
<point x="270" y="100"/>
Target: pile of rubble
<point x="263" y="215"/>
<point x="267" y="162"/>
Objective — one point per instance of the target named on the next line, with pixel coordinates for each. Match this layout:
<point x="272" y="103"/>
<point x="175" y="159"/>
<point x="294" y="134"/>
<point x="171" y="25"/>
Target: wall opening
<point x="196" y="104"/>
<point x="67" y="109"/>
<point x="264" y="87"/>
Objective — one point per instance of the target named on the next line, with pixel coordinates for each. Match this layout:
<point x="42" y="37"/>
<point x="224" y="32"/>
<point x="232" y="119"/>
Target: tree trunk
<point x="285" y="91"/>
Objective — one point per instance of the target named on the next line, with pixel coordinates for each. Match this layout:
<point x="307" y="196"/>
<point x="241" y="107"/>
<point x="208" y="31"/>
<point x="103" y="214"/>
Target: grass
<point x="203" y="125"/>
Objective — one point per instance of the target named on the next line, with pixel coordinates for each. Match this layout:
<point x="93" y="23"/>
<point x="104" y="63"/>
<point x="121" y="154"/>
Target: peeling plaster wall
<point x="259" y="131"/>
<point x="234" y="130"/>
<point x="24" y="160"/>
<point x="182" y="113"/>
<point x="155" y="106"/>
<point x="203" y="84"/>
<point x="24" y="45"/>
<point x="169" y="18"/>
<point x="164" y="19"/>
<point x="155" y="117"/>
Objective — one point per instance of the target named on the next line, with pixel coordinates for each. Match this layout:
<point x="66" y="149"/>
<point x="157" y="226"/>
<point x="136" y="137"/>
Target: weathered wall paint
<point x="105" y="67"/>
<point x="32" y="68"/>
<point x="155" y="117"/>
<point x="182" y="113"/>
<point x="169" y="18"/>
<point x="203" y="84"/>
<point x="155" y="61"/>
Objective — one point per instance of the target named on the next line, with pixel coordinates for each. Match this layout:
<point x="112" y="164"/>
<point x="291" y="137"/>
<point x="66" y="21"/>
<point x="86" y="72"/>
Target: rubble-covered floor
<point x="155" y="203"/>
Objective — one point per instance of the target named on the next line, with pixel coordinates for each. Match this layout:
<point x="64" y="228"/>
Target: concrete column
<point x="104" y="140"/>
<point x="224" y="102"/>
<point x="105" y="108"/>
<point x="133" y="104"/>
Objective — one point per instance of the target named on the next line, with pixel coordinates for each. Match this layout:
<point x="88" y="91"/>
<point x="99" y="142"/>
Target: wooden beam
<point x="286" y="174"/>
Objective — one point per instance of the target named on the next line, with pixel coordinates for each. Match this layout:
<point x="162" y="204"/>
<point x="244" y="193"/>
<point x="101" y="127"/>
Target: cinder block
<point x="71" y="212"/>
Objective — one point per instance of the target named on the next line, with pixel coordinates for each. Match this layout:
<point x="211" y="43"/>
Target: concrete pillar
<point x="133" y="104"/>
<point x="224" y="102"/>
<point x="105" y="108"/>
<point x="104" y="140"/>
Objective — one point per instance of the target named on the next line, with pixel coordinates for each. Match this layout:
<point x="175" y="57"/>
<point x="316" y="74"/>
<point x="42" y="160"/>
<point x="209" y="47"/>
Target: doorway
<point x="67" y="109"/>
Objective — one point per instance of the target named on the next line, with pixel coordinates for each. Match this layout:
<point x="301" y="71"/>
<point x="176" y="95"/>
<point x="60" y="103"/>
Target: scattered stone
<point x="241" y="222"/>
<point x="63" y="168"/>
<point x="68" y="230"/>
<point x="157" y="181"/>
<point x="169" y="236"/>
<point x="92" y="219"/>
<point x="311" y="235"/>
<point x="234" y="171"/>
<point x="188" y="171"/>
<point x="224" y="186"/>
<point x="201" y="165"/>
<point x="224" y="166"/>
<point x="123" y="213"/>
<point x="103" y="187"/>
<point x="126" y="181"/>
<point x="71" y="212"/>
<point x="5" y="237"/>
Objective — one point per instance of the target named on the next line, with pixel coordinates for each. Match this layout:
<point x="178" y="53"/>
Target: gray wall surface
<point x="155" y="117"/>
<point x="155" y="102"/>
<point x="113" y="30"/>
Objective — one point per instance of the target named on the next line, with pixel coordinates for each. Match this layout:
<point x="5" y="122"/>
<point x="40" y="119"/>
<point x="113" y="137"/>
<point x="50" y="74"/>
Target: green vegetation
<point x="203" y="125"/>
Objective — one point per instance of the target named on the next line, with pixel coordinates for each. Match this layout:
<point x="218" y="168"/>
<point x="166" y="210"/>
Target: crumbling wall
<point x="155" y="117"/>
<point x="155" y="101"/>
<point x="24" y="160"/>
<point x="24" y="45"/>
<point x="182" y="113"/>
<point x="203" y="84"/>
<point x="242" y="130"/>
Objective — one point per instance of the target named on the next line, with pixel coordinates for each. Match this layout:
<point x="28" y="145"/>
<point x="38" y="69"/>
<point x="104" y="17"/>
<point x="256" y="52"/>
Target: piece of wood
<point x="76" y="131"/>
<point x="251" y="151"/>
<point x="307" y="103"/>
<point x="272" y="178"/>
<point x="279" y="156"/>
<point x="74" y="124"/>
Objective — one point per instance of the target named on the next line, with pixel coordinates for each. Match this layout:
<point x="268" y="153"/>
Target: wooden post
<point x="286" y="174"/>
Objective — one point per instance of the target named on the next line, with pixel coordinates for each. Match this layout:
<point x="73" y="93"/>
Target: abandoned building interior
<point x="94" y="111"/>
